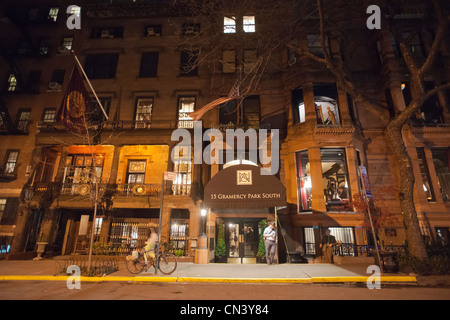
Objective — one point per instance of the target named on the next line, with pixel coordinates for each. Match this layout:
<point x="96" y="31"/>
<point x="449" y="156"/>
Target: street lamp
<point x="202" y="255"/>
<point x="203" y="213"/>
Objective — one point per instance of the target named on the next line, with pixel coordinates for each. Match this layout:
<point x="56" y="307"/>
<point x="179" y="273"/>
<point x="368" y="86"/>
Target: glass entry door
<point x="242" y="238"/>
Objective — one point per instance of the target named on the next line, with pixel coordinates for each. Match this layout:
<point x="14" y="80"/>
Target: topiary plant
<point x="261" y="254"/>
<point x="221" y="248"/>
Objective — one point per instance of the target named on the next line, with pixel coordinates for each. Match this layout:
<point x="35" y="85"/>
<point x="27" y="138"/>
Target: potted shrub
<point x="261" y="254"/>
<point x="221" y="247"/>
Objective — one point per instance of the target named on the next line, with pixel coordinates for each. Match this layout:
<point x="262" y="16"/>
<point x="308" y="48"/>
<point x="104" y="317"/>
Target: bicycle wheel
<point x="167" y="262"/>
<point x="137" y="265"/>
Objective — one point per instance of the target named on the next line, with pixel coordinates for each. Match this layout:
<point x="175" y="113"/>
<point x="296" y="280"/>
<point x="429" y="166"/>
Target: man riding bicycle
<point x="150" y="244"/>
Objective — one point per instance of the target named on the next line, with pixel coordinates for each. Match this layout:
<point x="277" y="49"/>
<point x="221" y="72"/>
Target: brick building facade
<point x="138" y="59"/>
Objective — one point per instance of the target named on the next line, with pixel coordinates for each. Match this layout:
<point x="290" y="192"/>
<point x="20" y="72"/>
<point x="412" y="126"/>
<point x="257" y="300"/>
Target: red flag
<point x="76" y="105"/>
<point x="234" y="93"/>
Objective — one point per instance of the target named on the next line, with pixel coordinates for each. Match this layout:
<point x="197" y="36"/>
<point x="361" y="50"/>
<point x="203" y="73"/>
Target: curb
<point x="143" y="279"/>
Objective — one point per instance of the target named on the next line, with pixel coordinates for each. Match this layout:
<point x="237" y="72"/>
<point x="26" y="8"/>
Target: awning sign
<point x="365" y="181"/>
<point x="243" y="186"/>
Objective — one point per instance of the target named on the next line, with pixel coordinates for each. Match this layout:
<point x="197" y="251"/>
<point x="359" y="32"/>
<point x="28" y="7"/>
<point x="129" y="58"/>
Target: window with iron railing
<point x="143" y="117"/>
<point x="345" y="240"/>
<point x="80" y="171"/>
<point x="183" y="169"/>
<point x="186" y="105"/>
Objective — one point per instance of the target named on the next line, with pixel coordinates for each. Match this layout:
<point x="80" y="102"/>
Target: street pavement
<point x="47" y="270"/>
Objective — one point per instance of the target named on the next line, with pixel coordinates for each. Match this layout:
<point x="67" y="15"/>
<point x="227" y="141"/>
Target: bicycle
<point x="167" y="262"/>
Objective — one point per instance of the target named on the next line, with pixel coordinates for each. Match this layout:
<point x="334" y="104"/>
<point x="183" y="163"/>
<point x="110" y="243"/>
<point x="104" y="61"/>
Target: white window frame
<point x="186" y="105"/>
<point x="229" y="24"/>
<point x="249" y="24"/>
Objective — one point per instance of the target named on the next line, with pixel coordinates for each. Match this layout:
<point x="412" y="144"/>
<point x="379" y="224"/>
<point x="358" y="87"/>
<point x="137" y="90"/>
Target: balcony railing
<point x="225" y="126"/>
<point x="139" y="190"/>
<point x="54" y="189"/>
<point x="121" y="125"/>
<point x="81" y="189"/>
<point x="139" y="125"/>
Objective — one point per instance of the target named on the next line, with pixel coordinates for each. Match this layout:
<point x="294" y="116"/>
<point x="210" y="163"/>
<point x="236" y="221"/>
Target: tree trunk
<point x="395" y="141"/>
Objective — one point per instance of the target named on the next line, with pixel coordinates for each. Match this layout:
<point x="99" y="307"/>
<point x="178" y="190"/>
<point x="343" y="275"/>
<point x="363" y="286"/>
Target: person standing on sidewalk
<point x="270" y="240"/>
<point x="327" y="246"/>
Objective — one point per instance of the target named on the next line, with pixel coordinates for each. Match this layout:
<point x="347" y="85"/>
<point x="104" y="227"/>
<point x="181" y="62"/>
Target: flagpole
<point x="90" y="85"/>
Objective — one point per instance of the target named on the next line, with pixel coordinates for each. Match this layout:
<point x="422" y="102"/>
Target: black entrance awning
<point x="243" y="186"/>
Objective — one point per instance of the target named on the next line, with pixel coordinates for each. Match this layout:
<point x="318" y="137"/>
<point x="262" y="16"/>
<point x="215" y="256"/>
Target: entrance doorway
<point x="242" y="237"/>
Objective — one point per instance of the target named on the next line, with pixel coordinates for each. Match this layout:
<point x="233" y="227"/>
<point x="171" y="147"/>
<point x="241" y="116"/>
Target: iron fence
<point x="100" y="265"/>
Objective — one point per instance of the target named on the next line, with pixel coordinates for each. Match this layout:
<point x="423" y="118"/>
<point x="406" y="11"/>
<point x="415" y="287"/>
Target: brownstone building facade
<point x="136" y="55"/>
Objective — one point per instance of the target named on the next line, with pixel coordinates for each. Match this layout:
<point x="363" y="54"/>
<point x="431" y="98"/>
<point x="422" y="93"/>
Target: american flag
<point x="234" y="93"/>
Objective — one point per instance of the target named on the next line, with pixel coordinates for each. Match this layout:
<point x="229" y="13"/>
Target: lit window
<point x="11" y="161"/>
<point x="80" y="170"/>
<point x="229" y="25"/>
<point x="304" y="181"/>
<point x="335" y="180"/>
<point x="343" y="235"/>
<point x="325" y="100"/>
<point x="249" y="24"/>
<point x="53" y="14"/>
<point x="183" y="169"/>
<point x="426" y="180"/>
<point x="186" y="105"/>
<point x="4" y="246"/>
<point x="144" y="108"/>
<point x="98" y="226"/>
<point x="136" y="171"/>
<point x="49" y="115"/>
<point x="67" y="43"/>
<point x="2" y="204"/>
<point x="23" y="118"/>
<point x="12" y="83"/>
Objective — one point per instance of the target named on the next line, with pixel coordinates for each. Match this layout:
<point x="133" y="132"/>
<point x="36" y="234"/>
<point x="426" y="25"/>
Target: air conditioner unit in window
<point x="105" y="34"/>
<point x="54" y="86"/>
<point x="64" y="50"/>
<point x="152" y="32"/>
<point x="189" y="30"/>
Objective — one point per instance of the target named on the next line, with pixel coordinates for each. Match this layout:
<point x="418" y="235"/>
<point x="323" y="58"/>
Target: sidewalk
<point x="223" y="273"/>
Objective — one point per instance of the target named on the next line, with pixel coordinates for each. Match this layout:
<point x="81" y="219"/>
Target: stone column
<point x="352" y="172"/>
<point x="310" y="109"/>
<point x="318" y="199"/>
